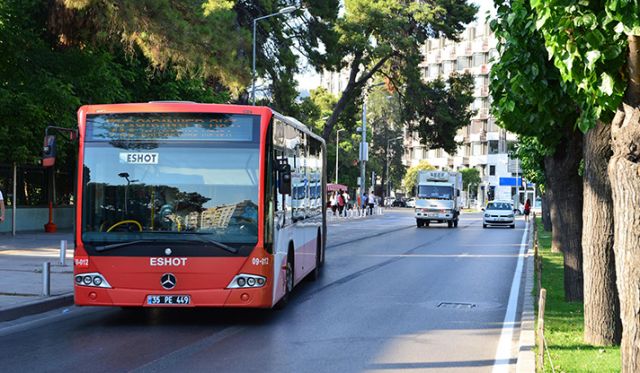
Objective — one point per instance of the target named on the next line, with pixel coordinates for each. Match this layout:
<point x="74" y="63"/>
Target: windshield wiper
<point x="123" y="244"/>
<point x="117" y="245"/>
<point x="221" y="245"/>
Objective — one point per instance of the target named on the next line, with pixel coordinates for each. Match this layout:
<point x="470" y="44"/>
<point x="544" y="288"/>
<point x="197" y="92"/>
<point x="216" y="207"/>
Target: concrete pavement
<point x="21" y="278"/>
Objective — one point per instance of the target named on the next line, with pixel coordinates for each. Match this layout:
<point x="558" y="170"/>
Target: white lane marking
<point x="433" y="255"/>
<point x="503" y="352"/>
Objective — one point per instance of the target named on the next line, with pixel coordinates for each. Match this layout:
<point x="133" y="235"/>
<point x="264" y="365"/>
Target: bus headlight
<point x="95" y="280"/>
<point x="243" y="281"/>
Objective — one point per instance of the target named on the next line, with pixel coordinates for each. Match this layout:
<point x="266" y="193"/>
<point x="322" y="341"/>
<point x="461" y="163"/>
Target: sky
<point x="309" y="79"/>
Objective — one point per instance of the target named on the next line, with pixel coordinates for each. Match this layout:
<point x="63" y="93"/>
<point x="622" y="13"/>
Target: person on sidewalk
<point x="527" y="209"/>
<point x="341" y="202"/>
<point x="365" y="203"/>
<point x="1" y="208"/>
<point x="345" y="197"/>
<point x="334" y="203"/>
<point x="371" y="202"/>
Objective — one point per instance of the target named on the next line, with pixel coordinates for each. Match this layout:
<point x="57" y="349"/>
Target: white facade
<point x="484" y="144"/>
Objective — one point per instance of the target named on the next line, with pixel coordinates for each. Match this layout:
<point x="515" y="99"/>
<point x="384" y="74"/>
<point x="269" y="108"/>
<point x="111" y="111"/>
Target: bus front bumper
<point x="247" y="297"/>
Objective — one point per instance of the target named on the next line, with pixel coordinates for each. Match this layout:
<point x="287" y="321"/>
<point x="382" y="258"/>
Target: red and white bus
<point x="187" y="204"/>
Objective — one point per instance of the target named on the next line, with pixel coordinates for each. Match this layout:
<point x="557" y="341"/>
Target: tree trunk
<point x="565" y="185"/>
<point x="602" y="325"/>
<point x="546" y="214"/>
<point x="624" y="173"/>
<point x="556" y="245"/>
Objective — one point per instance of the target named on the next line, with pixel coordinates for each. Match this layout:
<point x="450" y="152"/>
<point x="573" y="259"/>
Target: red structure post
<point x="50" y="227"/>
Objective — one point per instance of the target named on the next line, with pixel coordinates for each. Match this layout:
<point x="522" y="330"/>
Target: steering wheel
<point x="124" y="222"/>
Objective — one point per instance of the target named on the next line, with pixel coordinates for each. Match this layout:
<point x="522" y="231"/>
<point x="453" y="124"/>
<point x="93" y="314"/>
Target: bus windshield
<point x="157" y="177"/>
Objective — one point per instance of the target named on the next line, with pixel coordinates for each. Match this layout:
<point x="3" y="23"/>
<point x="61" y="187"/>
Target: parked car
<point x="498" y="213"/>
<point x="411" y="202"/>
<point x="400" y="202"/>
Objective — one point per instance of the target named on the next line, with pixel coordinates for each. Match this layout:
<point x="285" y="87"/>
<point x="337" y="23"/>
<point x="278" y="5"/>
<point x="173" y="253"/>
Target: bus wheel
<point x="288" y="287"/>
<point x="315" y="274"/>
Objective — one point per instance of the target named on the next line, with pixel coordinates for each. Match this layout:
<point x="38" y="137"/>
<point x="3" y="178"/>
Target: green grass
<point x="564" y="321"/>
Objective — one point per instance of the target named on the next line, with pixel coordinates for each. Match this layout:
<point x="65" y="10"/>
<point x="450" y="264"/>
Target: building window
<point x="463" y="63"/>
<point x="479" y="59"/>
<point x="492" y="170"/>
<point x="493" y="147"/>
<point x="476" y="148"/>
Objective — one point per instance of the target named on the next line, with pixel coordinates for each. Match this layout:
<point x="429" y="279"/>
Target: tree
<point x="384" y="120"/>
<point x="596" y="47"/>
<point x="46" y="80"/>
<point x="470" y="180"/>
<point x="531" y="154"/>
<point x="531" y="100"/>
<point x="410" y="179"/>
<point x="385" y="38"/>
<point x="436" y="110"/>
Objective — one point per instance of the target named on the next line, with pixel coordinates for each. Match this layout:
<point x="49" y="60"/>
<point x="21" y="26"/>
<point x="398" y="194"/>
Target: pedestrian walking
<point x="341" y="202"/>
<point x="334" y="203"/>
<point x="527" y="209"/>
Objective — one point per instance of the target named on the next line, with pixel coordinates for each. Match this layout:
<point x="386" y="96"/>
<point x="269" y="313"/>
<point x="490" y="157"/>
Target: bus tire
<point x="289" y="279"/>
<point x="323" y="247"/>
<point x="315" y="274"/>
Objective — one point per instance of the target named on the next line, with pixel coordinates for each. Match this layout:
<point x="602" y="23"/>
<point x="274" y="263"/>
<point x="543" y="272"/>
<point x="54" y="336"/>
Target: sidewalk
<point x="21" y="279"/>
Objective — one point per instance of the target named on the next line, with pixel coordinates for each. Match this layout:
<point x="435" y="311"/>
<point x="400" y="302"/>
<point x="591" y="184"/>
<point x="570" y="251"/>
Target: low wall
<point x="34" y="218"/>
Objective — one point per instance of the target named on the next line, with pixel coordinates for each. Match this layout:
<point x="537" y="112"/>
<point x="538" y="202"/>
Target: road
<point x="392" y="297"/>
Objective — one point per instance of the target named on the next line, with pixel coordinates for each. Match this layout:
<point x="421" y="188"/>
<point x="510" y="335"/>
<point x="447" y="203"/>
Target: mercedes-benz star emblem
<point x="168" y="281"/>
<point x="167" y="251"/>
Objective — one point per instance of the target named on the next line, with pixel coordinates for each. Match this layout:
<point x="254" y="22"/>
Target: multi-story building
<point x="484" y="145"/>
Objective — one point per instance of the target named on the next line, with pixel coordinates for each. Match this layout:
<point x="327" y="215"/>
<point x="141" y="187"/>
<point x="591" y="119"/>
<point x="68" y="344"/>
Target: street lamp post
<point x="282" y="11"/>
<point x="337" y="151"/>
<point x="389" y="141"/>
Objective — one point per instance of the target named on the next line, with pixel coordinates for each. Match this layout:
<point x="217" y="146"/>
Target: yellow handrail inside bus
<point x="126" y="222"/>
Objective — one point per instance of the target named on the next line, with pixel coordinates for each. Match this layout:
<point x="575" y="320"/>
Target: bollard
<point x="46" y="279"/>
<point x="63" y="251"/>
<point x="541" y="305"/>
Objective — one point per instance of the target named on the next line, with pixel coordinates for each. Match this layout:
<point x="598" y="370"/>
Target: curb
<point x="526" y="361"/>
<point x="36" y="306"/>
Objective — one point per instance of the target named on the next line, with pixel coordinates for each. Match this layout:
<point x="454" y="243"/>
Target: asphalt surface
<point x="392" y="297"/>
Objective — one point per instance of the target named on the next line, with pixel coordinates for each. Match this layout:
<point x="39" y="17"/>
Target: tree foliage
<point x="410" y="179"/>
<point x="587" y="41"/>
<point x="470" y="178"/>
<point x="44" y="81"/>
<point x="438" y="109"/>
<point x="385" y="38"/>
<point x="529" y="94"/>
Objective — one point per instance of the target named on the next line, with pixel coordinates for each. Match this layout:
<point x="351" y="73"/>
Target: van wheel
<point x="455" y="223"/>
<point x="449" y="224"/>
<point x="419" y="223"/>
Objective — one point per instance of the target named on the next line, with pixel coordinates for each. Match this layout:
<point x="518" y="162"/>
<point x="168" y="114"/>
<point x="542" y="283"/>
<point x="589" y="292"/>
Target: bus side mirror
<point x="284" y="170"/>
<point x="49" y="151"/>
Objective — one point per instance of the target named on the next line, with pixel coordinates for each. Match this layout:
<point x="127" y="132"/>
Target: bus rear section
<point x="170" y="211"/>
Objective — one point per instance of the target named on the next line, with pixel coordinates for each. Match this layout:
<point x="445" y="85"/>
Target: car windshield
<point x="499" y="206"/>
<point x="154" y="189"/>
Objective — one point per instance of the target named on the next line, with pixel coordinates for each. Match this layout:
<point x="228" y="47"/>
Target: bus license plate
<point x="174" y="300"/>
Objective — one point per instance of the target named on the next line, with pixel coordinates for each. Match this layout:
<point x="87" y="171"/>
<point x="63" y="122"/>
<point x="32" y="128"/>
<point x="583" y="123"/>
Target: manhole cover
<point x="459" y="306"/>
